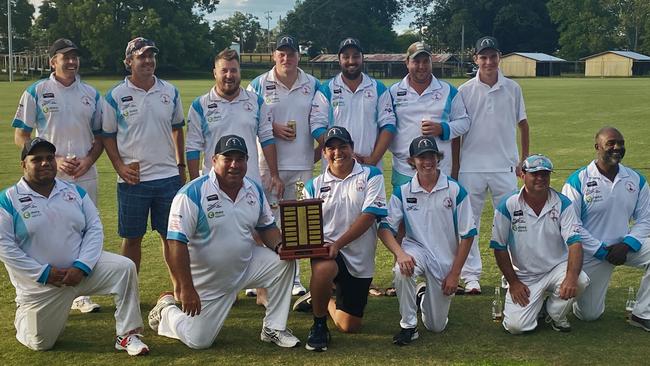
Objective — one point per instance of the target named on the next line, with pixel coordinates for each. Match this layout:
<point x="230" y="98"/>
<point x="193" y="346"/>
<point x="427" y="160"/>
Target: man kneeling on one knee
<point x="213" y="255"/>
<point x="536" y="231"/>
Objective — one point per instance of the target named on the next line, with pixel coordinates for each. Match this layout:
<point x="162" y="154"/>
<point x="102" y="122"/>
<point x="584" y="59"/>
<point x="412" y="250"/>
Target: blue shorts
<point x="135" y="201"/>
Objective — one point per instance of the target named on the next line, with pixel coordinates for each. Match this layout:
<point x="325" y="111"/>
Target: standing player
<point x="430" y="248"/>
<point x="537" y="244"/>
<point x="614" y="204"/>
<point x="357" y="102"/>
<point x="427" y="106"/>
<point x="67" y="112"/>
<point x="288" y="93"/>
<point x="488" y="154"/>
<point x="213" y="254"/>
<point x="354" y="199"/>
<point x="143" y="135"/>
<point x="51" y="244"/>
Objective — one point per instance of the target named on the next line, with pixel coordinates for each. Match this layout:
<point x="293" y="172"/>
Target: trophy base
<point x="288" y="254"/>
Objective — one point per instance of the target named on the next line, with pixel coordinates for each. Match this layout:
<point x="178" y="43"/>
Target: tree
<point x="326" y="23"/>
<point x="102" y="29"/>
<point x="241" y="27"/>
<point x="22" y="13"/>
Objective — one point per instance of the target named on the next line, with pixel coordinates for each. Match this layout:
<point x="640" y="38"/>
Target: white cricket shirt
<point x="344" y="200"/>
<point x="218" y="231"/>
<point x="536" y="243"/>
<point x="210" y="117"/>
<point x="439" y="103"/>
<point x="67" y="116"/>
<point x="142" y="122"/>
<point x="284" y="104"/>
<point x="490" y="145"/>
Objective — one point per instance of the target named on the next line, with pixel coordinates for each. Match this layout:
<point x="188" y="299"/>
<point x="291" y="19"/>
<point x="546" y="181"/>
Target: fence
<point x="26" y="63"/>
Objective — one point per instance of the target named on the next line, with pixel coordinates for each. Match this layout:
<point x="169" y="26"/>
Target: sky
<point x="278" y="8"/>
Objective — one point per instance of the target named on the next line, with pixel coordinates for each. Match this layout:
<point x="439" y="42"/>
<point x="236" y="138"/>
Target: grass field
<point x="564" y="114"/>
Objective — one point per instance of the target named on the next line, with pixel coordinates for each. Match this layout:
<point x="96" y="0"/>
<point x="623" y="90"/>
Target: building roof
<point x="385" y="57"/>
<point x="537" y="56"/>
<point x="629" y="54"/>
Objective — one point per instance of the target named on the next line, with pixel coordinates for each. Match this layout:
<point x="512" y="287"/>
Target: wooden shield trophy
<point x="302" y="227"/>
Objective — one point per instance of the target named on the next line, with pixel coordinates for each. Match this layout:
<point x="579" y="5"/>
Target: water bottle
<point x="497" y="306"/>
<point x="630" y="303"/>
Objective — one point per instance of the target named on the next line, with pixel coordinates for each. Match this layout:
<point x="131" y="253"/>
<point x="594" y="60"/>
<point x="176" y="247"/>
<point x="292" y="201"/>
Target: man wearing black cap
<point x="213" y="254"/>
<point x="288" y="92"/>
<point x="354" y="199"/>
<point x="51" y="242"/>
<point x="67" y="112"/>
<point x="430" y="248"/>
<point x="357" y="102"/>
<point x="489" y="160"/>
<point x="143" y="134"/>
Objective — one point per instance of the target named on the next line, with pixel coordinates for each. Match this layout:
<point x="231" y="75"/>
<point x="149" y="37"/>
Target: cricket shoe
<point x="303" y="303"/>
<point x="283" y="338"/>
<point x="298" y="289"/>
<point x="639" y="322"/>
<point x="420" y="290"/>
<point x="561" y="325"/>
<point x="132" y="344"/>
<point x="406" y="336"/>
<point x="319" y="337"/>
<point x="85" y="305"/>
<point x="166" y="299"/>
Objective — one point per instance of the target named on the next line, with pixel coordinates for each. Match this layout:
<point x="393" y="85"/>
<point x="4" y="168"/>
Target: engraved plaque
<point x="302" y="229"/>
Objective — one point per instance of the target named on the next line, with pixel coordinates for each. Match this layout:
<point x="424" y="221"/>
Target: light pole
<point x="268" y="29"/>
<point x="10" y="43"/>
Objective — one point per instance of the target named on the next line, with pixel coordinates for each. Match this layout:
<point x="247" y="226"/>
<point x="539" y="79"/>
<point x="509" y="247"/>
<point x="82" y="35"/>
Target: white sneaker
<point x="251" y="292"/>
<point x="298" y="289"/>
<point x="561" y="325"/>
<point x="85" y="305"/>
<point x="283" y="338"/>
<point x="165" y="300"/>
<point x="132" y="344"/>
<point x="472" y="288"/>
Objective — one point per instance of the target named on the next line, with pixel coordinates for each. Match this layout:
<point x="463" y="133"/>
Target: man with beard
<point x="143" y="135"/>
<point x="67" y="112"/>
<point x="213" y="254"/>
<point x="357" y="102"/>
<point x="613" y="202"/>
<point x="51" y="243"/>
<point x="229" y="109"/>
<point x="288" y="92"/>
<point x="537" y="245"/>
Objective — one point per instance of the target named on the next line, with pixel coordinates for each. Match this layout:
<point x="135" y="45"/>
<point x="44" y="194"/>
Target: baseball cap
<point x="230" y="143"/>
<point x="337" y="132"/>
<point x="423" y="144"/>
<point x="485" y="43"/>
<point x="61" y="45"/>
<point x="138" y="45"/>
<point x="536" y="163"/>
<point x="350" y="42"/>
<point x="287" y="41"/>
<point x="32" y="144"/>
<point x="418" y="48"/>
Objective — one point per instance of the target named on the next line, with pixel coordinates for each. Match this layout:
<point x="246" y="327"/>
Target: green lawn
<point x="564" y="114"/>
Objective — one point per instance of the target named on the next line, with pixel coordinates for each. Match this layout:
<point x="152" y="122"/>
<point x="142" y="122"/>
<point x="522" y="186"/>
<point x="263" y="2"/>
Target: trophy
<point x="302" y="227"/>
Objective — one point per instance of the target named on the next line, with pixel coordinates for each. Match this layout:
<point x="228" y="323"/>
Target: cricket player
<point x="361" y="104"/>
<point x="66" y="111"/>
<point x="436" y="211"/>
<point x="288" y="92"/>
<point x="536" y="237"/>
<point x="613" y="202"/>
<point x="51" y="245"/>
<point x="489" y="160"/>
<point x="143" y="135"/>
<point x="213" y="254"/>
<point x="427" y="106"/>
<point x="354" y="200"/>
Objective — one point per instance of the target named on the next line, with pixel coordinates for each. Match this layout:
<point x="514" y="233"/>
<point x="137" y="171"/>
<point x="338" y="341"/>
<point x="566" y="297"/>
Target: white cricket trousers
<point x="40" y="319"/>
<point x="435" y="304"/>
<point x="266" y="270"/>
<point x="477" y="186"/>
<point x="518" y="319"/>
<point x="290" y="178"/>
<point x="591" y="305"/>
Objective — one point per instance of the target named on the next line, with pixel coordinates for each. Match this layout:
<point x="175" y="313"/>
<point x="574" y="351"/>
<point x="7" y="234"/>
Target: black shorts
<point x="351" y="292"/>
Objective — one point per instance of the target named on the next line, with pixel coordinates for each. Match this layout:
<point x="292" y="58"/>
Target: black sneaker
<point x="639" y="322"/>
<point x="319" y="337"/>
<point x="420" y="289"/>
<point x="406" y="336"/>
<point x="303" y="303"/>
